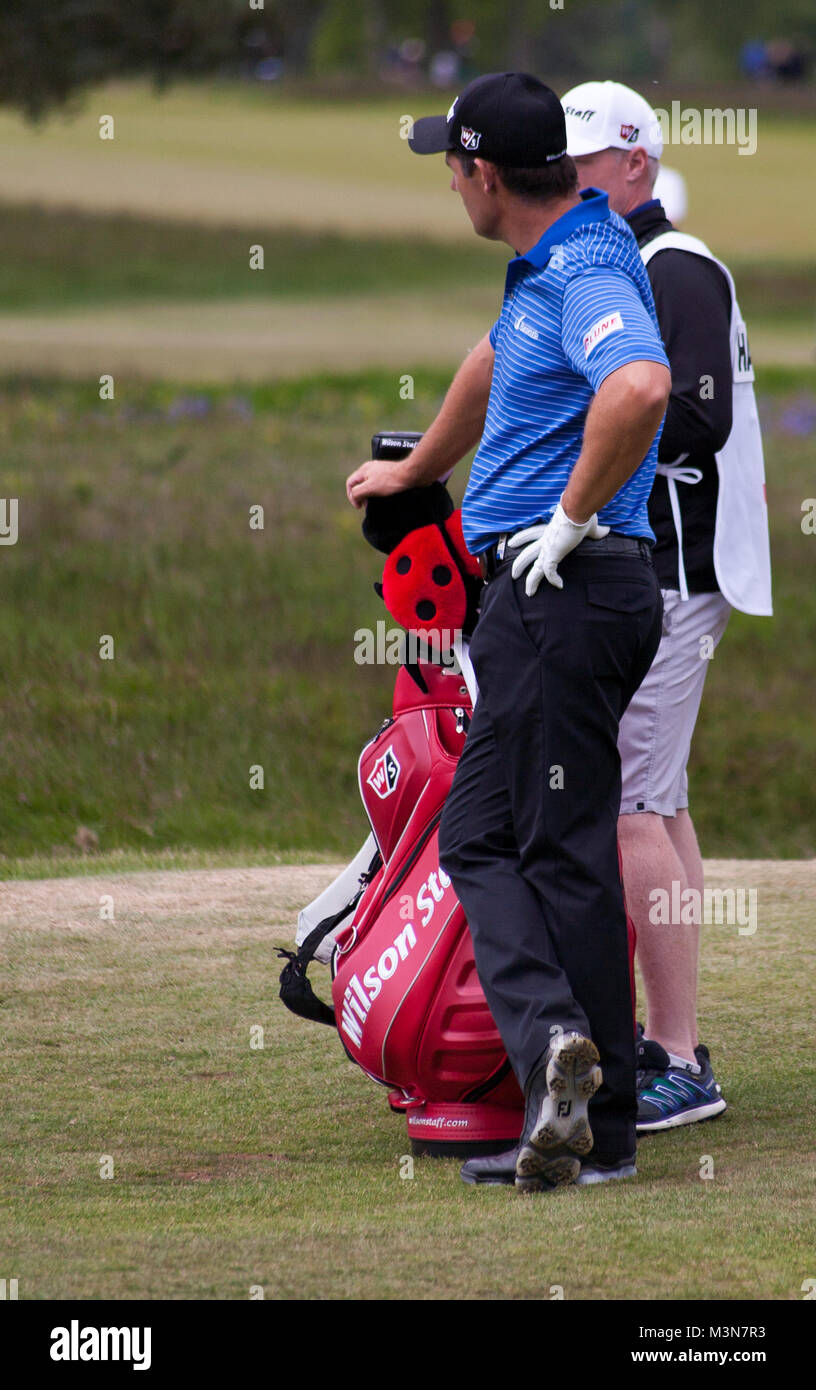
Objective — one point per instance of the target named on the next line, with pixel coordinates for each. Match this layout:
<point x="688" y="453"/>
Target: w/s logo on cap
<point x="629" y="133"/>
<point x="470" y="138"/>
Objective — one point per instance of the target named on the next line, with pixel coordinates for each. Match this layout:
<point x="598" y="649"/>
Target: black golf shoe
<point x="556" y="1134"/>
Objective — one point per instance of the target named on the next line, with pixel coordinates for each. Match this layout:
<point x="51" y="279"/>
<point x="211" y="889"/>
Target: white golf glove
<point x="547" y="545"/>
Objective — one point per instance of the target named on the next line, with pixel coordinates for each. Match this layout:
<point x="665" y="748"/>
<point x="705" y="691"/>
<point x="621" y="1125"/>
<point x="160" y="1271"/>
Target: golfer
<point x="567" y="394"/>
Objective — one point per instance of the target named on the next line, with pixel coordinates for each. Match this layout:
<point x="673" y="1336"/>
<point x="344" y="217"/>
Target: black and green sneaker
<point x="670" y="1094"/>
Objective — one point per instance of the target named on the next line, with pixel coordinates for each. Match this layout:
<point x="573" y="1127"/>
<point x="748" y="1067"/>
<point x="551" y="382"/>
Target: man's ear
<point x="638" y="164"/>
<point x="487" y="173"/>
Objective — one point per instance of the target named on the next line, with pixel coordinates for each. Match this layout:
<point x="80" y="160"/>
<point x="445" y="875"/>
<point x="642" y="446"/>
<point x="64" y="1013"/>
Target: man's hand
<point x="547" y="545"/>
<point x="377" y="478"/>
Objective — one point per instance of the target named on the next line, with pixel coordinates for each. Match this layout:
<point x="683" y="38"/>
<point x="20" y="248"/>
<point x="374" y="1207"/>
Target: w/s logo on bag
<point x="385" y="774"/>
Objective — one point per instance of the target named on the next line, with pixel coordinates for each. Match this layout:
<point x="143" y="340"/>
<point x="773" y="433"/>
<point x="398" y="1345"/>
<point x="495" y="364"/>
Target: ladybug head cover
<point x="431" y="583"/>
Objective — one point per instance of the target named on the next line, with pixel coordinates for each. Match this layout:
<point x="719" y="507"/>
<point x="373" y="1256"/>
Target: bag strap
<point x="295" y="989"/>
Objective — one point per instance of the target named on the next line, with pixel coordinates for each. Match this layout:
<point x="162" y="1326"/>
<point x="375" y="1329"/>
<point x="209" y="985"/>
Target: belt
<point x="496" y="558"/>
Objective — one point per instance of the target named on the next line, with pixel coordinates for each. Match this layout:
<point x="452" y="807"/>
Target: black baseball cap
<point x="507" y="118"/>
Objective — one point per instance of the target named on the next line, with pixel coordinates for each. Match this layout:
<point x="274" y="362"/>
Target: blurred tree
<point x="50" y="49"/>
<point x="340" y="41"/>
<point x="438" y="20"/>
<point x="299" y="21"/>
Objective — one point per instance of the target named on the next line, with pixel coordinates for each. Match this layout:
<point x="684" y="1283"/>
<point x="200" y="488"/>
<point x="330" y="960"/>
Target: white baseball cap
<point x="604" y="115"/>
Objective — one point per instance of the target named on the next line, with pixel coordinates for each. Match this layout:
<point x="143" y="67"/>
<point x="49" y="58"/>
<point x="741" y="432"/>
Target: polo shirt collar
<point x="593" y="207"/>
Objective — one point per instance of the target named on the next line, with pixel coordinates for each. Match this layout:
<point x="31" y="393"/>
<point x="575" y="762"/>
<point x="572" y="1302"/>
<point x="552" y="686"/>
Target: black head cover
<point x="388" y="520"/>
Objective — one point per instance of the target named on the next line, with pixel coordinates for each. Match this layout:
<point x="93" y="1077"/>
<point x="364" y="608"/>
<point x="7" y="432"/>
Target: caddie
<point x="708" y="512"/>
<point x="567" y="395"/>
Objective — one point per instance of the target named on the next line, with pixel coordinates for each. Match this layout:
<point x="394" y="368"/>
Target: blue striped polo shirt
<point x="577" y="306"/>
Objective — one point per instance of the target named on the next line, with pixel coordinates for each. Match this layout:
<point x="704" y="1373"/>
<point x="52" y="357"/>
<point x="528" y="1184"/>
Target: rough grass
<point x="235" y="648"/>
<point x="280" y="1166"/>
<point x="81" y="293"/>
<point x="52" y="260"/>
<point x="73" y="258"/>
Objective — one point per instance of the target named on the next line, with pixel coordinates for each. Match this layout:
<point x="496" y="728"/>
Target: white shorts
<point x="655" y="732"/>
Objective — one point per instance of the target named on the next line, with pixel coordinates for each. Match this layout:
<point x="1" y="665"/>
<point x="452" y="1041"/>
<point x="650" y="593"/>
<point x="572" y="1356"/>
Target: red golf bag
<point x="408" y="1005"/>
<point x="407" y="999"/>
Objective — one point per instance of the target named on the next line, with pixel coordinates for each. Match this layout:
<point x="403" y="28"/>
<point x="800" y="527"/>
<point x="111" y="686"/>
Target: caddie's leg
<point x="660" y="854"/>
<point x="667" y="950"/>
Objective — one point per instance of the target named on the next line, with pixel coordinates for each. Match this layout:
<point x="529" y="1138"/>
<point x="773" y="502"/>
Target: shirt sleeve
<point x="605" y="325"/>
<point x="493" y="334"/>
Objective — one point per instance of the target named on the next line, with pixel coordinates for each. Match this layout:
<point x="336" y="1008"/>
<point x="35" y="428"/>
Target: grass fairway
<point x="275" y="161"/>
<point x="235" y="1166"/>
<point x="242" y="341"/>
<point x="212" y="343"/>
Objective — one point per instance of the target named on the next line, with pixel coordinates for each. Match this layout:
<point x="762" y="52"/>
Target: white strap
<point x="674" y="241"/>
<point x="461" y="648"/>
<point x="674" y="473"/>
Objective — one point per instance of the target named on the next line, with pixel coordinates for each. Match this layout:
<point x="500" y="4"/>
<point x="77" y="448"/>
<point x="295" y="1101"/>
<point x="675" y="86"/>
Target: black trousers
<point x="529" y="831"/>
